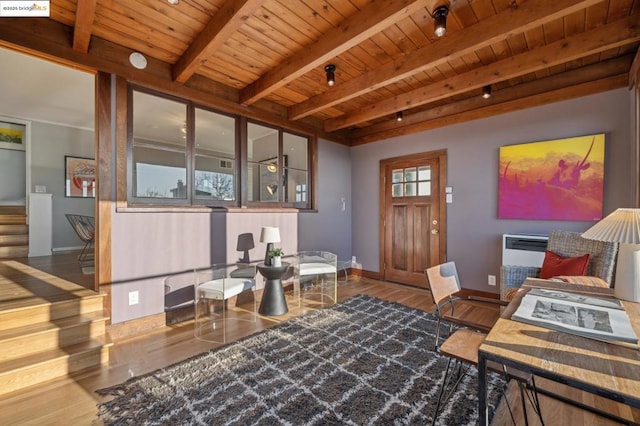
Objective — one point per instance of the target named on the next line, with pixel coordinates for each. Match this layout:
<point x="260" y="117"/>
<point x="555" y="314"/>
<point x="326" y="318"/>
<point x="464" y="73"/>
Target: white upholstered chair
<point x="316" y="278"/>
<point x="215" y="287"/>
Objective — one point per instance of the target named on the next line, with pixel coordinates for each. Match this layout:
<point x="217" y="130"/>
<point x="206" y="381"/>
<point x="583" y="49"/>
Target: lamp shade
<point x="621" y="226"/>
<point x="270" y="234"/>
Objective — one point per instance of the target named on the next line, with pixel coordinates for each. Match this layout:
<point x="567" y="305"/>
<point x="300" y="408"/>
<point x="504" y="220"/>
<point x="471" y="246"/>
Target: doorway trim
<point x="441" y="156"/>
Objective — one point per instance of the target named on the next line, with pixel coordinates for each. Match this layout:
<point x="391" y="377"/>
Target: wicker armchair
<point x="602" y="257"/>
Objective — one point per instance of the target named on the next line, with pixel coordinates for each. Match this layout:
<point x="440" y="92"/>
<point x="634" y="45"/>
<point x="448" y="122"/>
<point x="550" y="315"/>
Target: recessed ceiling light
<point x="138" y="60"/>
<point x="173" y="2"/>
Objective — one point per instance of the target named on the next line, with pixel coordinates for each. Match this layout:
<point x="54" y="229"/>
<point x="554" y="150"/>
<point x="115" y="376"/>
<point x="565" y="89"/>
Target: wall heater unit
<point x="523" y="250"/>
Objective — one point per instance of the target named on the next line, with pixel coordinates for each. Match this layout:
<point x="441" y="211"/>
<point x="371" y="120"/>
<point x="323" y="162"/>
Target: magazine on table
<point x="588" y="316"/>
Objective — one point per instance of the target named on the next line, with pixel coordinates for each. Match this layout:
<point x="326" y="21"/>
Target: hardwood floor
<point x="30" y="271"/>
<point x="73" y="400"/>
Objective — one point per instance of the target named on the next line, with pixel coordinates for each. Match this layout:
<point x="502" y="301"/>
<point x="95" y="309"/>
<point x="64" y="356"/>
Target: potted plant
<point x="276" y="256"/>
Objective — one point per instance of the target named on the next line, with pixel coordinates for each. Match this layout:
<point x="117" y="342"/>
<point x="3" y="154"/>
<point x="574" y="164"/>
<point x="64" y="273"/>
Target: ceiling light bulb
<point x="399" y="116"/>
<point x="173" y="2"/>
<point x="486" y="92"/>
<point x="440" y="17"/>
<point x="331" y="77"/>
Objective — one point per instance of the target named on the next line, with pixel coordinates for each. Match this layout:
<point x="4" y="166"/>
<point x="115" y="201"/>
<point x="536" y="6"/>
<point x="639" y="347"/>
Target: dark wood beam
<point x="634" y="71"/>
<point x="231" y="16"/>
<point x="592" y="79"/>
<point x="619" y="33"/>
<point x="352" y="31"/>
<point x="85" y="14"/>
<point x="597" y="71"/>
<point x="517" y="19"/>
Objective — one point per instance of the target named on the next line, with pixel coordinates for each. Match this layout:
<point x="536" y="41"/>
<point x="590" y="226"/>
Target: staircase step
<point x="26" y="311"/>
<point x="51" y="364"/>
<point x="14" y="229"/>
<point x="16" y="219"/>
<point x="22" y="210"/>
<point x="14" y="240"/>
<point x="14" y="251"/>
<point x="27" y="340"/>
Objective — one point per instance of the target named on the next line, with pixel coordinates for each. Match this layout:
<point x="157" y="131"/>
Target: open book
<point x="588" y="316"/>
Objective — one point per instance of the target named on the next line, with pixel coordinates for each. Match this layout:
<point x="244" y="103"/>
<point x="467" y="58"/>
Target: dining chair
<point x="455" y="307"/>
<point x="461" y="348"/>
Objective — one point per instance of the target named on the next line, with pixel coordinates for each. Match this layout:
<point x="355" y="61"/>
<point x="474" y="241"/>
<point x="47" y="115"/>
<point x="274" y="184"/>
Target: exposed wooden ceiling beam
<point x="231" y="16"/>
<point x="517" y="19"/>
<point x="474" y="107"/>
<point x="634" y="71"/>
<point x="352" y="31"/>
<point x="571" y="92"/>
<point x="85" y="14"/>
<point x="605" y="37"/>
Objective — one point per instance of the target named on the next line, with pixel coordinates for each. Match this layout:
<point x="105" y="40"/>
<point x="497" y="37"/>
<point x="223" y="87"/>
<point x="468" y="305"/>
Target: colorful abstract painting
<point x="553" y="180"/>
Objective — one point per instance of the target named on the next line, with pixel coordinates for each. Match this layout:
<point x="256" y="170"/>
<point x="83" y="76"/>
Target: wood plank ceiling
<point x="266" y="58"/>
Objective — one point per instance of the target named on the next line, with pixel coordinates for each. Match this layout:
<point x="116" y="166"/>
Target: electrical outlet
<point x="491" y="280"/>
<point x="134" y="298"/>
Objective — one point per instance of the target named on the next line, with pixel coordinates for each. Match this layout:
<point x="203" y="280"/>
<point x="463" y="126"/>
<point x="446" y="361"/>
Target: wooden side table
<point x="273" y="302"/>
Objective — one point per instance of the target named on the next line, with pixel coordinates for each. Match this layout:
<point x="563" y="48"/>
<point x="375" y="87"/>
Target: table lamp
<point x="622" y="226"/>
<point x="269" y="235"/>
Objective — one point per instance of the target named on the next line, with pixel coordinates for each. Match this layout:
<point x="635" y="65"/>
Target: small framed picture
<point x="12" y="136"/>
<point x="80" y="177"/>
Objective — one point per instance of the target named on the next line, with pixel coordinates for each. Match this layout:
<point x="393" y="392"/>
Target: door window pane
<point x="396" y="190"/>
<point x="424" y="189"/>
<point x="424" y="173"/>
<point x="410" y="174"/>
<point x="411" y="182"/>
<point x="410" y="189"/>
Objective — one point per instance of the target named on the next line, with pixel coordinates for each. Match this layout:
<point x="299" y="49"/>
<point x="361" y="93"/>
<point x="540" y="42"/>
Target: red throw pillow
<point x="554" y="265"/>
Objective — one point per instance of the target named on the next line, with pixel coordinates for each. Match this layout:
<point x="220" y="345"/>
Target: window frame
<point x="241" y="162"/>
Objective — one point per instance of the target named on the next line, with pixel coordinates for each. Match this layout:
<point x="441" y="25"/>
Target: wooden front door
<point x="413" y="228"/>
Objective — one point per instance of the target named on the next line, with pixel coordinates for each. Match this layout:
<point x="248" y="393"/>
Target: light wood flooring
<point x="73" y="400"/>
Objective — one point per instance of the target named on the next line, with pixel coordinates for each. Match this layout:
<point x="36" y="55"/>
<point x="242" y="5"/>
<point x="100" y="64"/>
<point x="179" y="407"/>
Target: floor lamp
<point x="622" y="226"/>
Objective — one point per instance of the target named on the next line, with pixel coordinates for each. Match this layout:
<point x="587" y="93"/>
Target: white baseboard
<point x="61" y="249"/>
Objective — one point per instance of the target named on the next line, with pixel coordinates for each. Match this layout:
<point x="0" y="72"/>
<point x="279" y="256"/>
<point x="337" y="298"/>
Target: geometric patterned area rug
<point x="361" y="362"/>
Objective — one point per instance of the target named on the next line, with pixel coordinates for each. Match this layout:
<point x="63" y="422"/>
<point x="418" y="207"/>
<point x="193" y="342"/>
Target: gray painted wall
<point x="12" y="175"/>
<point x="474" y="234"/>
<point x="329" y="228"/>
<point x="49" y="145"/>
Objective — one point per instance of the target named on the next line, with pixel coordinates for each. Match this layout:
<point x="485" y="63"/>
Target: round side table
<point x="273" y="302"/>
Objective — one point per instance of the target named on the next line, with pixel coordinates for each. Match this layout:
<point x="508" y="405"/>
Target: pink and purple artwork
<point x="553" y="180"/>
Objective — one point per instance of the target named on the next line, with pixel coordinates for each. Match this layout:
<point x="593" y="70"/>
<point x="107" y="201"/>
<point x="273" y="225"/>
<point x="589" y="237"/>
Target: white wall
<point x="473" y="230"/>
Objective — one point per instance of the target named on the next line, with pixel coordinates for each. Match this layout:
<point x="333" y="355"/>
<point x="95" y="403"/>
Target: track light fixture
<point x="440" y="17"/>
<point x="331" y="76"/>
<point x="399" y="116"/>
<point x="486" y="91"/>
